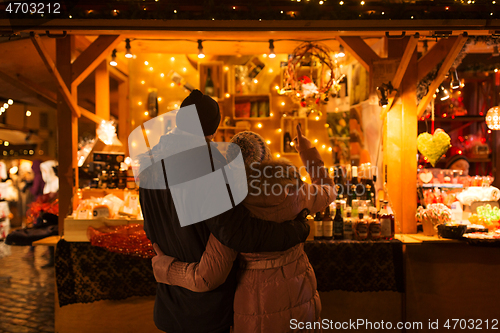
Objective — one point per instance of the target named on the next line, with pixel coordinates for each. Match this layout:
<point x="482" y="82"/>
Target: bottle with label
<point x="327" y="225"/>
<point x="209" y="84"/>
<point x="348" y="230"/>
<point x="338" y="222"/>
<point x="374" y="226"/>
<point x="179" y="80"/>
<point x="386" y="223"/>
<point x="318" y="226"/>
<point x="362" y="225"/>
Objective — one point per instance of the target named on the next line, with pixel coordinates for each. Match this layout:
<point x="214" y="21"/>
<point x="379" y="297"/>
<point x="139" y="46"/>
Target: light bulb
<point x="128" y="54"/>
<point x="259" y="125"/>
<point x="278" y="155"/>
<point x="113" y="59"/>
<point x="146" y="63"/>
<point x="282" y="103"/>
<point x="268" y="142"/>
<point x="162" y="75"/>
<point x="201" y="55"/>
<point x="341" y="53"/>
<point x="146" y="113"/>
<point x="10" y="102"/>
<point x="28" y="113"/>
<point x="227" y="95"/>
<point x="140" y="103"/>
<point x="272" y="55"/>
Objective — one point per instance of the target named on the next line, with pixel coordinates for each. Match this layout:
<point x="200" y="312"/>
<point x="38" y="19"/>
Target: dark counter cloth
<point x="358" y="266"/>
<point x="86" y="273"/>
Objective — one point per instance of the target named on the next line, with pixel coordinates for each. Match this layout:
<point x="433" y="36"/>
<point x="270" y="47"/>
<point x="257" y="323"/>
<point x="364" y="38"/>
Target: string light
<point x="5" y="105"/>
<point x="113" y="59"/>
<point x="292" y="143"/>
<point x="172" y="84"/>
<point x="172" y="58"/>
<point x="184" y="69"/>
<point x="2" y="110"/>
<point x="279" y="130"/>
<point x="10" y="101"/>
<point x="151" y="68"/>
<point x="128" y="54"/>
<point x="201" y="55"/>
<point x="315" y="140"/>
<point x="304" y="179"/>
<point x="146" y="63"/>
<point x="282" y="103"/>
<point x="271" y="114"/>
<point x="142" y="82"/>
<point x="272" y="55"/>
<point x="277" y="87"/>
<point x="159" y="99"/>
<point x="268" y="142"/>
<point x="317" y="118"/>
<point x="140" y="103"/>
<point x="323" y="146"/>
<point x="28" y="113"/>
<point x="227" y="95"/>
<point x="146" y="113"/>
<point x="329" y="148"/>
<point x="162" y="75"/>
<point x="278" y="155"/>
<point x="255" y="81"/>
<point x="226" y="68"/>
<point x="259" y="125"/>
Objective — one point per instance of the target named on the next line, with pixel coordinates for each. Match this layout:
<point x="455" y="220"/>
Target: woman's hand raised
<point x="301" y="142"/>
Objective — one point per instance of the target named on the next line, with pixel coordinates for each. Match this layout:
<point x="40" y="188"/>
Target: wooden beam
<point x="123" y="114"/>
<point x="61" y="85"/>
<point x="400" y="72"/>
<point x="95" y="54"/>
<point x="42" y="90"/>
<point x="400" y="151"/>
<point x="359" y="50"/>
<point x="90" y="115"/>
<point x="102" y="106"/>
<point x="67" y="132"/>
<point x="445" y="67"/>
<point x="434" y="56"/>
<point x="42" y="97"/>
<point x="117" y="74"/>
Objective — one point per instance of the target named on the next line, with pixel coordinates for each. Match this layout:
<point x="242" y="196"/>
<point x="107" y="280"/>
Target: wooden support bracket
<point x="400" y="72"/>
<point x="445" y="67"/>
<point x="49" y="63"/>
<point x="46" y="97"/>
<point x="359" y="50"/>
<point x="90" y="115"/>
<point x="93" y="55"/>
<point x="434" y="56"/>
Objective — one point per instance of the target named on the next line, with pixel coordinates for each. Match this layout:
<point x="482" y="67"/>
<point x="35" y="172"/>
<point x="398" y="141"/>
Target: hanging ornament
<point x="433" y="146"/>
<point x="311" y="74"/>
<point x="493" y="118"/>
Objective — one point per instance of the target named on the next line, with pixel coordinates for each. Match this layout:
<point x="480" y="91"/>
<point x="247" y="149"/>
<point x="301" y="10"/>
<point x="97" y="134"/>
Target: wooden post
<point x="67" y="124"/>
<point x="102" y="91"/>
<point x="123" y="114"/>
<point x="400" y="148"/>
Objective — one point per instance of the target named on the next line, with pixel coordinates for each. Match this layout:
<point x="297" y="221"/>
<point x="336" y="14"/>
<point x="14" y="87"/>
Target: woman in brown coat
<point x="273" y="288"/>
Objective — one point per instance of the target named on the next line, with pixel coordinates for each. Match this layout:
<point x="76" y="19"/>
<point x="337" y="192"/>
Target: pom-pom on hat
<point x="253" y="148"/>
<point x="208" y="113"/>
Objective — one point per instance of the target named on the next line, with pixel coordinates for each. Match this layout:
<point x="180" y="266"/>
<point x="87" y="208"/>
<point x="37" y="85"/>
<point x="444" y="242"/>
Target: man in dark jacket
<point x="178" y="309"/>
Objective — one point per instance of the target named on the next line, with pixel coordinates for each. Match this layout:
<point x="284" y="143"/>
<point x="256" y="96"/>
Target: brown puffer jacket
<point x="273" y="288"/>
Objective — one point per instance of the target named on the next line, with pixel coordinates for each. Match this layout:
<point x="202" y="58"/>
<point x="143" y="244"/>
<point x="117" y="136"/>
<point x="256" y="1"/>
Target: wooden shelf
<point x="479" y="160"/>
<point x="475" y="119"/>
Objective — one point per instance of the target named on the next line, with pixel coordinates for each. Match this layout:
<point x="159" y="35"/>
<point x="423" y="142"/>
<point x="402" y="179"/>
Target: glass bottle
<point x="348" y="229"/>
<point x="327" y="225"/>
<point x="386" y="223"/>
<point x="209" y="84"/>
<point x="374" y="226"/>
<point x="338" y="222"/>
<point x="362" y="225"/>
<point x="318" y="226"/>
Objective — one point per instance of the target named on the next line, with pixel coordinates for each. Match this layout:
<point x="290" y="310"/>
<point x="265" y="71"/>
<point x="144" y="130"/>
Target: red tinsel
<point x="125" y="239"/>
<point x="47" y="203"/>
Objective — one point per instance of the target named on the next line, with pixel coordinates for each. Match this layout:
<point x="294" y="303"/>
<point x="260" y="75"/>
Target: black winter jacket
<point x="178" y="309"/>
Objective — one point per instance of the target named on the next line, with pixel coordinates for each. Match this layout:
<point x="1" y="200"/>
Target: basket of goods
<point x="432" y="216"/>
<point x="452" y="231"/>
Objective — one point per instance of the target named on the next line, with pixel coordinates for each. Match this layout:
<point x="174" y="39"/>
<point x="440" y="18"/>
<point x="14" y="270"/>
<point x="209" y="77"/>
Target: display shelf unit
<point x="288" y="125"/>
<point x="217" y="75"/>
<point x="256" y="106"/>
